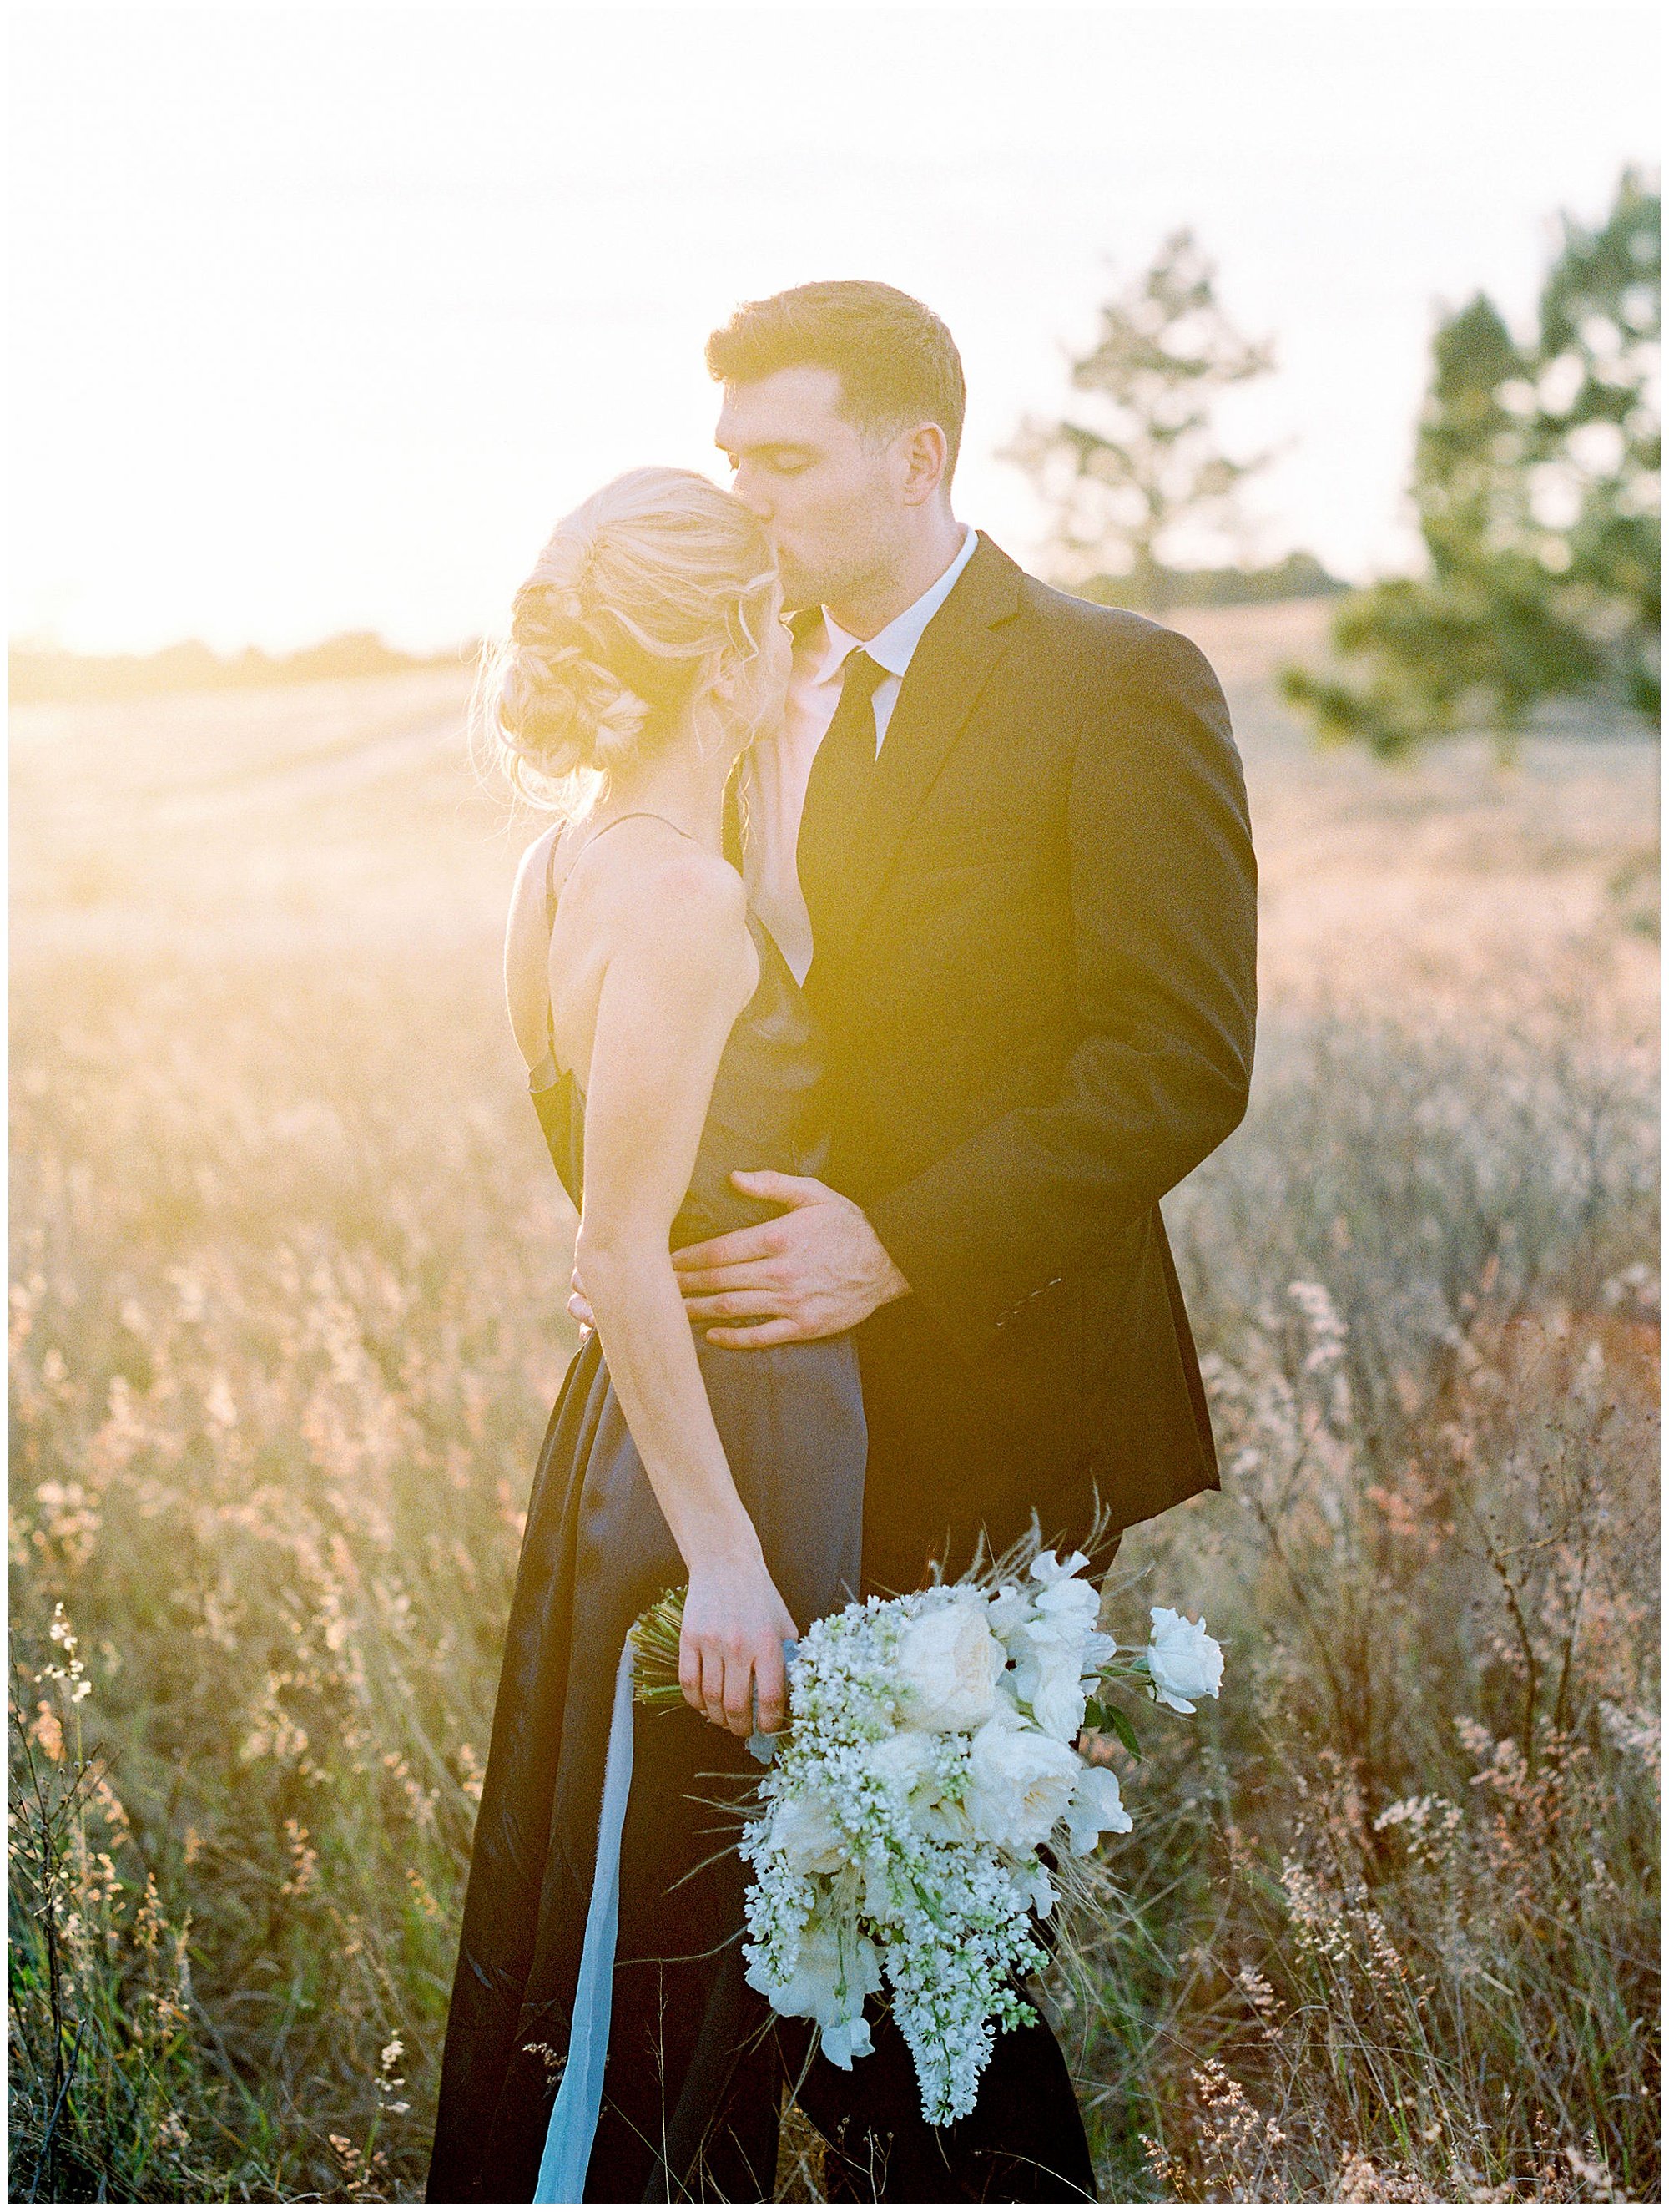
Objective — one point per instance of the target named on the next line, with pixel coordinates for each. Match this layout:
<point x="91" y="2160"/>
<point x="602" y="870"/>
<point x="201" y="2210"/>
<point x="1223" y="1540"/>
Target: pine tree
<point x="1121" y="484"/>
<point x="1535" y="488"/>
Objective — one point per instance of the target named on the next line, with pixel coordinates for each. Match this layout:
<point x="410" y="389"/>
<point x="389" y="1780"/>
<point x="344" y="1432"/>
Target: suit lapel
<point x="948" y="670"/>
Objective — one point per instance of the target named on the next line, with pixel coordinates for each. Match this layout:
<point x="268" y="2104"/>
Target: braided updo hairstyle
<point x="648" y="590"/>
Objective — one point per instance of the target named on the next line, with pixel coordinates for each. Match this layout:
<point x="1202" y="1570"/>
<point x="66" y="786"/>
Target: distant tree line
<point x="1536" y="487"/>
<point x="53" y="673"/>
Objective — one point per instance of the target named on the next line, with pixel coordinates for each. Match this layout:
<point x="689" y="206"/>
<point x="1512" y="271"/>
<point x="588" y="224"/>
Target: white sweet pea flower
<point x="1184" y="1662"/>
<point x="1011" y="1609"/>
<point x="1071" y="1601"/>
<point x="906" y="1758"/>
<point x="1047" y="1674"/>
<point x="843" y="2040"/>
<point x="1051" y="1654"/>
<point x="1046" y="1569"/>
<point x="946" y="1665"/>
<point x="836" y="1970"/>
<point x="1019" y="1782"/>
<point x="805" y="1833"/>
<point x="1042" y="1891"/>
<point x="1095" y="1805"/>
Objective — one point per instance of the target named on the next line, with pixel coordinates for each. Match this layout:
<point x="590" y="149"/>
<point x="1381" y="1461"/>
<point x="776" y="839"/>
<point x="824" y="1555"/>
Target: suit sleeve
<point x="1163" y="888"/>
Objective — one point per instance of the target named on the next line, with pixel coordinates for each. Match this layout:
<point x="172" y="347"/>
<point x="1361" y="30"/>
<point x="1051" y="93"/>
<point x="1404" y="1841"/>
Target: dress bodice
<point x="762" y="1114"/>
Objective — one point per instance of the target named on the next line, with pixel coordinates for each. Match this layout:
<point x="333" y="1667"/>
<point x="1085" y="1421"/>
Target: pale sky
<point x="322" y="316"/>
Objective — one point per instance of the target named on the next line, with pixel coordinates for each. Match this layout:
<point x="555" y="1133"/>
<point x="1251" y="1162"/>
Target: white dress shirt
<point x="777" y="769"/>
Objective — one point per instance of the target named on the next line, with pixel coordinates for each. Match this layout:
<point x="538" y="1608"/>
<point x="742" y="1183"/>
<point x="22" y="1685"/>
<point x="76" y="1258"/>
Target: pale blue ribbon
<point x="580" y="2098"/>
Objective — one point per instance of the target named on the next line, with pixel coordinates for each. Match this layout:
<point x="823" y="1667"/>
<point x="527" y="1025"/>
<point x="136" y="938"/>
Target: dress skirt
<point x="689" y="2086"/>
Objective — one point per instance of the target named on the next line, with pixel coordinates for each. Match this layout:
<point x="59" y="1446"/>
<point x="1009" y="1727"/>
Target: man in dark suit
<point x="1012" y="860"/>
<point x="1003" y="839"/>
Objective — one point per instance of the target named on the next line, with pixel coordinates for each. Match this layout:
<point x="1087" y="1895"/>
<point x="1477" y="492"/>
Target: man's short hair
<point x="897" y="363"/>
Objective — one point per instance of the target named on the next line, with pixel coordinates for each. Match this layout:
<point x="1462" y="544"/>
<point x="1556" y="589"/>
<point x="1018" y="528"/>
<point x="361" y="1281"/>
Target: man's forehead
<point x="788" y="407"/>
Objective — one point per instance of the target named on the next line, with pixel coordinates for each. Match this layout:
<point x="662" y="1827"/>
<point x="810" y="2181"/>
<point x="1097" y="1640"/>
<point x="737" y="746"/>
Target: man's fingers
<point x="781" y="1189"/>
<point x="710" y="1282"/>
<point x="735" y="1305"/>
<point x="755" y="1340"/>
<point x="733" y="1250"/>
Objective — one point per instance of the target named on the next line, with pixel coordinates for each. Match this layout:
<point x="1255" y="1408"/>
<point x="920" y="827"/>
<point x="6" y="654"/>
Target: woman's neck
<point x="679" y="784"/>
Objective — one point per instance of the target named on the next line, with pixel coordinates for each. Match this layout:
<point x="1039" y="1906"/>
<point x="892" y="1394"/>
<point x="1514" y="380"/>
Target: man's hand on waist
<point x="817" y="1269"/>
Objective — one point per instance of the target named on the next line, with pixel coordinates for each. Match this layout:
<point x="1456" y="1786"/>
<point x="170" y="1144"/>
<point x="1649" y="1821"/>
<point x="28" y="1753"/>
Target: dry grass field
<point x="288" y="1281"/>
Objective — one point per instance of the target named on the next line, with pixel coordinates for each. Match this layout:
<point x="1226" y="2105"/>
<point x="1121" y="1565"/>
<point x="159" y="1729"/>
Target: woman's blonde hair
<point x="640" y="598"/>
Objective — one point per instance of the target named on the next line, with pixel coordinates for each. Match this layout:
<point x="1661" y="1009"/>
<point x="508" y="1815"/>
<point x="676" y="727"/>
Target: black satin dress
<point x="691" y="2087"/>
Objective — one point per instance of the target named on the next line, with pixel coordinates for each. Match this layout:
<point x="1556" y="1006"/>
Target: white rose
<point x="947" y="1663"/>
<point x="906" y="1758"/>
<point x="945" y="1821"/>
<point x="804" y="1832"/>
<point x="1184" y="1662"/>
<point x="1095" y="1805"/>
<point x="1019" y="1782"/>
<point x="830" y="1980"/>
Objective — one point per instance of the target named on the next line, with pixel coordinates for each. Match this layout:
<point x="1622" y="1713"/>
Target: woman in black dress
<point x="667" y="1044"/>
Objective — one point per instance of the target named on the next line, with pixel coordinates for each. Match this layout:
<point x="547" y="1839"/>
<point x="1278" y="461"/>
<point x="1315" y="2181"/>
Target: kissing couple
<point x="888" y="957"/>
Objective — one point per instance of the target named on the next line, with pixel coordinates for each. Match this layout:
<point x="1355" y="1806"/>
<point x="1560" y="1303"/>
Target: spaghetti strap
<point x="639" y="814"/>
<point x="553" y="890"/>
<point x="548" y="1072"/>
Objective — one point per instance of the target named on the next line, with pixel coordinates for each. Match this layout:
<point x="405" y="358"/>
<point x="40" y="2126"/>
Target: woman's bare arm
<point x="680" y="968"/>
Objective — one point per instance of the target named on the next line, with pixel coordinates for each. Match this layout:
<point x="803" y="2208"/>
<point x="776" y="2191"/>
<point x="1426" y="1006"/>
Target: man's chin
<point x="802" y="588"/>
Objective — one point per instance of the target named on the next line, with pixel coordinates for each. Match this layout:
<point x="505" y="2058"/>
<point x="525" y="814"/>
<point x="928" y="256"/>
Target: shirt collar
<point x="891" y="648"/>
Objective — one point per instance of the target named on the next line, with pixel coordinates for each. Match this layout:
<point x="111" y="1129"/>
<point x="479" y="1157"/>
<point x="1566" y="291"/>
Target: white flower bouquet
<point x="927" y="1761"/>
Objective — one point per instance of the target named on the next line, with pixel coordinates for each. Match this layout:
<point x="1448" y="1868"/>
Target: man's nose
<point x="752" y="492"/>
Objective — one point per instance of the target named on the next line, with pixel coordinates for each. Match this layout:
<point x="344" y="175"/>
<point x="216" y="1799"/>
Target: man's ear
<point x="926" y="452"/>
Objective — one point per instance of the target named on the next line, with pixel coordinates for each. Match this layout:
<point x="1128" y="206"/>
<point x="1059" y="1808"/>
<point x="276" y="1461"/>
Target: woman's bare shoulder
<point x="664" y="898"/>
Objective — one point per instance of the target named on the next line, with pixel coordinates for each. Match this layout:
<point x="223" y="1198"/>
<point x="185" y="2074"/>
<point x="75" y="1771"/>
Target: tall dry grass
<point x="288" y="1281"/>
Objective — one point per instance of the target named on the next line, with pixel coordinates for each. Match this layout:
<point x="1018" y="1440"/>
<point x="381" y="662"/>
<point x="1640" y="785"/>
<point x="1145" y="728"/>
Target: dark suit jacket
<point x="1037" y="984"/>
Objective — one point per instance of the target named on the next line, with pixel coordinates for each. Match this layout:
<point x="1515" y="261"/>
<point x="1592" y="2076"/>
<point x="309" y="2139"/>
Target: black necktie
<point x="839" y="785"/>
